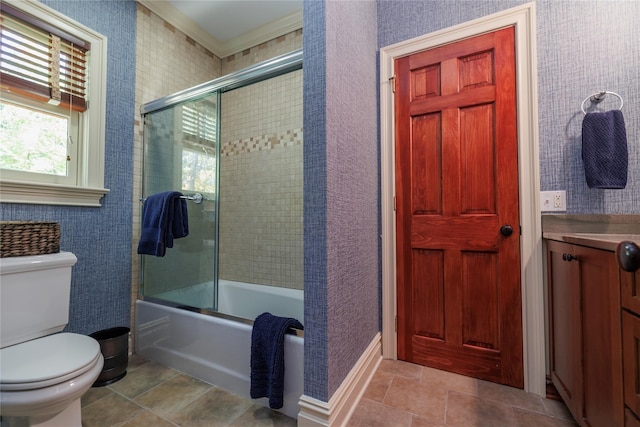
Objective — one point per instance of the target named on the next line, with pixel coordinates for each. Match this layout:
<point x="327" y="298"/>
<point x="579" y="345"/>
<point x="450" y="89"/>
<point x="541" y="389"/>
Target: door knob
<point x="506" y="230"/>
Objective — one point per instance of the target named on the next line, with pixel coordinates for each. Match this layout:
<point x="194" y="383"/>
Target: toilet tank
<point x="34" y="296"/>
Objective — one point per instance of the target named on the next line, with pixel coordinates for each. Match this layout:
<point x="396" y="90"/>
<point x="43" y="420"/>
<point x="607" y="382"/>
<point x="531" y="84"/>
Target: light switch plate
<point x="553" y="201"/>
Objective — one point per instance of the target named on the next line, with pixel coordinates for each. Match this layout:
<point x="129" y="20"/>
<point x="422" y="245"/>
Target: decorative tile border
<point x="262" y="143"/>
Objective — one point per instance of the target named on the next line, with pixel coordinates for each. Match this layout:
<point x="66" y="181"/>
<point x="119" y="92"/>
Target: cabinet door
<point x="631" y="358"/>
<point x="630" y="419"/>
<point x="565" y="350"/>
<point x="603" y="404"/>
<point x="630" y="290"/>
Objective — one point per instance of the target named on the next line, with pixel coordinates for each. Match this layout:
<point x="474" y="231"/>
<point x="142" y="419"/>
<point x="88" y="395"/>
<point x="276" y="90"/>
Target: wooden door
<point x="458" y="276"/>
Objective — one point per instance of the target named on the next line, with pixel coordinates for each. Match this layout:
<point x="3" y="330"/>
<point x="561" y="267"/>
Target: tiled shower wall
<point x="261" y="183"/>
<point x="261" y="173"/>
<point x="167" y="61"/>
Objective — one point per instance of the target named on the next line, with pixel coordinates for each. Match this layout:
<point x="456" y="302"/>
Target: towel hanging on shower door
<point x="164" y="218"/>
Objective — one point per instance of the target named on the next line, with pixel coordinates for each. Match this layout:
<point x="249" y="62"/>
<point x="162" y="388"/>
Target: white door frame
<point x="533" y="324"/>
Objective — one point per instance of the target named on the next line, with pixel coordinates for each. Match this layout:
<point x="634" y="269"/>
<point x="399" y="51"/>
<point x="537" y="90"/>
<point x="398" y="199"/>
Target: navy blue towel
<point x="164" y="218"/>
<point x="604" y="149"/>
<point x="267" y="357"/>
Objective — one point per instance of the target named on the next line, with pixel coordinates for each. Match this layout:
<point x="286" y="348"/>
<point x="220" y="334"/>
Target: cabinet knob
<point x="568" y="257"/>
<point x="628" y="255"/>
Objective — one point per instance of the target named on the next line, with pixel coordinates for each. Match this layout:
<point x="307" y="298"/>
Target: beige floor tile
<point x="449" y="381"/>
<point x="147" y="419"/>
<point x="401" y="368"/>
<point x="510" y="396"/>
<point x="421" y="422"/>
<point x="173" y="394"/>
<point x="464" y="410"/>
<point x="94" y="394"/>
<point x="416" y="398"/>
<point x="258" y="416"/>
<point x="142" y="379"/>
<point x="216" y="407"/>
<point x="107" y="412"/>
<point x="379" y="385"/>
<point x="531" y="419"/>
<point x="374" y="414"/>
<point x="136" y="361"/>
<point x="557" y="409"/>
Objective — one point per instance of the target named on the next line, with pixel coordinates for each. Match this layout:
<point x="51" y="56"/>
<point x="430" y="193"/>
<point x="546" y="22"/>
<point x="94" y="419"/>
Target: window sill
<point x="50" y="194"/>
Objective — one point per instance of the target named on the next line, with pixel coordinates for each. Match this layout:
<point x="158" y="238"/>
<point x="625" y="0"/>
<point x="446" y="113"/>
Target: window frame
<point x="89" y="188"/>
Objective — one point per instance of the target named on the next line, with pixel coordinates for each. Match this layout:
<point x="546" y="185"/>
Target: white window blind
<point x="41" y="62"/>
<point x="199" y="122"/>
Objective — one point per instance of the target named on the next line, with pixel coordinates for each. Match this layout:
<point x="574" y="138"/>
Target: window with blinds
<point x="42" y="62"/>
<point x="53" y="106"/>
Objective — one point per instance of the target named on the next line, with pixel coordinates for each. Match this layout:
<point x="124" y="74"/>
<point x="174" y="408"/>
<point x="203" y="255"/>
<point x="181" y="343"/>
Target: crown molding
<point x="267" y="32"/>
<point x="262" y="34"/>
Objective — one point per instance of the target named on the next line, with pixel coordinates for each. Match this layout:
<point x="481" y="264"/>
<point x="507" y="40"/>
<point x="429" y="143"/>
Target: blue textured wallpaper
<point x="353" y="181"/>
<point x="583" y="47"/>
<point x="341" y="169"/>
<point x="101" y="237"/>
<point x="315" y="201"/>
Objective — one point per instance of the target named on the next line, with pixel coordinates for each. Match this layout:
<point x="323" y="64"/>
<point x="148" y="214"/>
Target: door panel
<point x="458" y="280"/>
<point x="428" y="270"/>
<point x="426" y="164"/>
<point x="477" y="190"/>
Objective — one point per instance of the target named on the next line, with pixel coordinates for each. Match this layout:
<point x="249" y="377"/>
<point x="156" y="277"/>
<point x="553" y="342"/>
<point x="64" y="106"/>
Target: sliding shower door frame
<point x="274" y="67"/>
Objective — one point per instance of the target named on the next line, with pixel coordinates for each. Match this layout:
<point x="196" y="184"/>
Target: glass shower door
<point x="181" y="154"/>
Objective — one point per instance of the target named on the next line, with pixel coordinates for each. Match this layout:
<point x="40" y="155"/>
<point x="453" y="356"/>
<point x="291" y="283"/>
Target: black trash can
<point x="114" y="345"/>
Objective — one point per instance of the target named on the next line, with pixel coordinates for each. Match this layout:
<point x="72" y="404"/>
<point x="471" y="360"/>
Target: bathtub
<point x="244" y="300"/>
<point x="216" y="349"/>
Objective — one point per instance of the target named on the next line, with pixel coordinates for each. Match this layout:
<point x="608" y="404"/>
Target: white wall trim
<point x="338" y="411"/>
<point x="269" y="31"/>
<point x="523" y="18"/>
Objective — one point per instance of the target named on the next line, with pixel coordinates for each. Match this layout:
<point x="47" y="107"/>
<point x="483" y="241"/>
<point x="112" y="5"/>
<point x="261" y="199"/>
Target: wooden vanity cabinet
<point x="630" y="295"/>
<point x="585" y="332"/>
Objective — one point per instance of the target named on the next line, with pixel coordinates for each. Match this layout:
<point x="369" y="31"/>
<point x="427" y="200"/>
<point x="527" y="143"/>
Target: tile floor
<point x="400" y="395"/>
<point x="156" y="396"/>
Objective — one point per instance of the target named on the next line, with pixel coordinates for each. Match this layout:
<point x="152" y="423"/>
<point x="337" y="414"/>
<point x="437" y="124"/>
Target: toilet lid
<point x="47" y="360"/>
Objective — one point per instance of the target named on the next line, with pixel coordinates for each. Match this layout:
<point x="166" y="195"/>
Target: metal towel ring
<point x="598" y="97"/>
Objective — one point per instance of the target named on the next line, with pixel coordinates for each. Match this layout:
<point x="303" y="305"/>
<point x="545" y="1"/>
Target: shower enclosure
<point x="233" y="147"/>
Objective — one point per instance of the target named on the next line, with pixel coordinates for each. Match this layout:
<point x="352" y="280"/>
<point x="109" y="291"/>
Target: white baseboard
<point x="316" y="413"/>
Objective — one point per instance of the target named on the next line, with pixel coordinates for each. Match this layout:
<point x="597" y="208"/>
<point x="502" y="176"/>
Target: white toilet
<point x="43" y="373"/>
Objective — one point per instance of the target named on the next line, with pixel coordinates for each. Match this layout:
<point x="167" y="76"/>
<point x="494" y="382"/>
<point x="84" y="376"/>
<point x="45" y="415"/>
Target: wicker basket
<point x="22" y="238"/>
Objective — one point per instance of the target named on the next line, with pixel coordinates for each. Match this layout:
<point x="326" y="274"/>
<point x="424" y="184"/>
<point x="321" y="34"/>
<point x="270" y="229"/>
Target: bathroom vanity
<point x="594" y="327"/>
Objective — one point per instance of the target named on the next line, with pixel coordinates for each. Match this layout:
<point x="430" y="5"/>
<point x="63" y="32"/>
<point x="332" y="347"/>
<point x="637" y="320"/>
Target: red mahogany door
<point x="457" y="213"/>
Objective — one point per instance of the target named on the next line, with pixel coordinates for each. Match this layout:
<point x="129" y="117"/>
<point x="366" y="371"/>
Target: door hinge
<point x="396" y="326"/>
<point x="392" y="81"/>
<point x="395" y="205"/>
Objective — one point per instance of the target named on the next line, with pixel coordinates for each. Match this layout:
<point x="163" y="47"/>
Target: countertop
<point x="604" y="241"/>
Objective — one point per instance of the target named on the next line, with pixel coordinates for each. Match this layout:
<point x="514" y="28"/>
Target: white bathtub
<point x="244" y="300"/>
<point x="248" y="301"/>
<point x="213" y="349"/>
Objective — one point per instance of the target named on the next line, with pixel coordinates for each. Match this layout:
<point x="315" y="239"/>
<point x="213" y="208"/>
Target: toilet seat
<point x="47" y="361"/>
